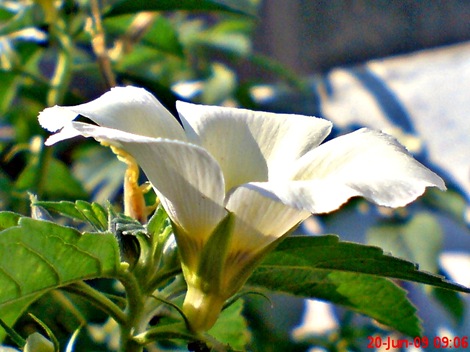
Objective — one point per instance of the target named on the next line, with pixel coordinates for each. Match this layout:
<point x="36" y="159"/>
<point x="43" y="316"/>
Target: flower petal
<point x="260" y="218"/>
<point x="129" y="109"/>
<point x="251" y="145"/>
<point x="363" y="163"/>
<point x="187" y="179"/>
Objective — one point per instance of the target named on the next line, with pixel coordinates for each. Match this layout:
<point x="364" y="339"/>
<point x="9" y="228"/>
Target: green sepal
<point x="214" y="254"/>
<point x="244" y="272"/>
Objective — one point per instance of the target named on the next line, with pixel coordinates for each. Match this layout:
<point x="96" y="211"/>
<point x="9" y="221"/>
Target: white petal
<point x="187" y="179"/>
<point x="260" y="218"/>
<point x="363" y="163"/>
<point x="53" y="119"/>
<point x="128" y="109"/>
<point x="66" y="133"/>
<point x="314" y="196"/>
<point x="251" y="145"/>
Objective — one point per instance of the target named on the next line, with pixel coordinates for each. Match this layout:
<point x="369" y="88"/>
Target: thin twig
<point x="98" y="43"/>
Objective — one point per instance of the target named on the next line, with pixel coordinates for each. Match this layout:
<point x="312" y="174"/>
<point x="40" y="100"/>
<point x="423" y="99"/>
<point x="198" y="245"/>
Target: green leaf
<point x="231" y="327"/>
<point x="418" y="240"/>
<point x="163" y="36"/>
<point x="376" y="297"/>
<point x="93" y="213"/>
<point x="64" y="208"/>
<point x="328" y="252"/>
<point x="10" y="312"/>
<point x="349" y="274"/>
<point x="134" y="6"/>
<point x="452" y="303"/>
<point x="7" y="89"/>
<point x="8" y="219"/>
<point x="37" y="256"/>
<point x="60" y="183"/>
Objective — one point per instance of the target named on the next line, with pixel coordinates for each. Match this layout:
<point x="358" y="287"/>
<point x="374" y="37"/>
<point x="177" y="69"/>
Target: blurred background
<point x="398" y="66"/>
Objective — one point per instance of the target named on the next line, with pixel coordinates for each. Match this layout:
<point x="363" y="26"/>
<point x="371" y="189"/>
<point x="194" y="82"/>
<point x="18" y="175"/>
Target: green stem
<point x="134" y="311"/>
<point x="98" y="299"/>
<point x="171" y="331"/>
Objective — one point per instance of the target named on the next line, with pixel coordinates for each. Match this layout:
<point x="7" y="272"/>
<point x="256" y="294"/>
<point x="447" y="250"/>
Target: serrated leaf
<point x="94" y="213"/>
<point x="376" y="297"/>
<point x="349" y="274"/>
<point x="328" y="252"/>
<point x="134" y="6"/>
<point x="64" y="208"/>
<point x="37" y="256"/>
<point x="231" y="327"/>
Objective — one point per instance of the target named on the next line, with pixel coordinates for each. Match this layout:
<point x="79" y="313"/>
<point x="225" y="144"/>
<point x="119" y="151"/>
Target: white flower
<point x="270" y="171"/>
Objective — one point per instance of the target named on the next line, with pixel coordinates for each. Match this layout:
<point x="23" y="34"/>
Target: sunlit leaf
<point x="328" y="252"/>
<point x="64" y="208"/>
<point x="93" y="213"/>
<point x="37" y="256"/>
<point x="163" y="36"/>
<point x="349" y="274"/>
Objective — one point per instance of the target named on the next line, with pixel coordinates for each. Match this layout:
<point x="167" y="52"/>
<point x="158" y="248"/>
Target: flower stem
<point x="134" y="311"/>
<point x="98" y="299"/>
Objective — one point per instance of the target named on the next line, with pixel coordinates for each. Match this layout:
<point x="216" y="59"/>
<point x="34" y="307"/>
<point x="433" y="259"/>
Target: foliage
<point x="69" y="245"/>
